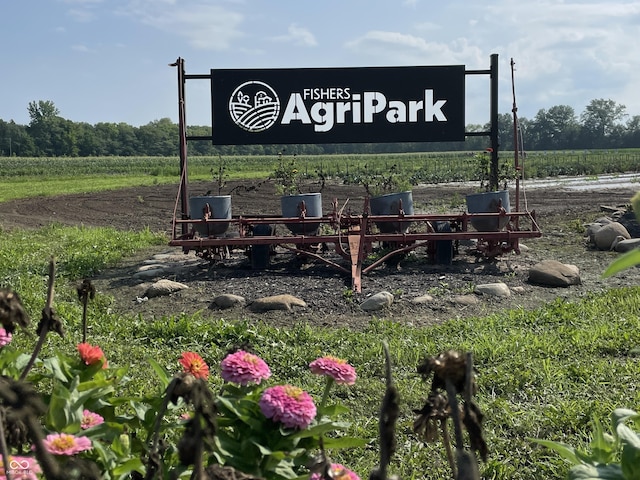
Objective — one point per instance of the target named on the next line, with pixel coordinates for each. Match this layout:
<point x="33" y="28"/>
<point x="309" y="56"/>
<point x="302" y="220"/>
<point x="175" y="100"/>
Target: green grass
<point x="544" y="373"/>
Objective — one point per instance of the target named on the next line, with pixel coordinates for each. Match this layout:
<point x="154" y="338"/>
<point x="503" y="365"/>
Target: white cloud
<point x="206" y="27"/>
<point x="81" y="15"/>
<point x="298" y="36"/>
<point x="399" y="48"/>
<point x="80" y="48"/>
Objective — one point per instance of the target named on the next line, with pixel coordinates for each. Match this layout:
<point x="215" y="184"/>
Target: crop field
<point x="424" y="167"/>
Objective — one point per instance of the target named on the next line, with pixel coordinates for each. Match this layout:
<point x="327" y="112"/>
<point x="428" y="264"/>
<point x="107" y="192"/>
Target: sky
<point x="108" y="60"/>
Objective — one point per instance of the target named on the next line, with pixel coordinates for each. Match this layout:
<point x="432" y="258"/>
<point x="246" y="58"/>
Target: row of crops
<point x="418" y="167"/>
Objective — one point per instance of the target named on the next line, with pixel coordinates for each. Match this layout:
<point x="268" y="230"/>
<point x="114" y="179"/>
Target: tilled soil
<point x="330" y="300"/>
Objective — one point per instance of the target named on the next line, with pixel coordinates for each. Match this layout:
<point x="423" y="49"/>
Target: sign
<point x="338" y="105"/>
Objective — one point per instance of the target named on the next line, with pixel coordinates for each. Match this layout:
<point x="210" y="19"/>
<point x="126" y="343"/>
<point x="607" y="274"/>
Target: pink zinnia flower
<point x="65" y="444"/>
<point x="195" y="365"/>
<point x="25" y="468"/>
<point x="243" y="368"/>
<point x="336" y="368"/>
<point x="5" y="337"/>
<point x="90" y="419"/>
<point x="289" y="405"/>
<point x="91" y="354"/>
<point x="338" y="472"/>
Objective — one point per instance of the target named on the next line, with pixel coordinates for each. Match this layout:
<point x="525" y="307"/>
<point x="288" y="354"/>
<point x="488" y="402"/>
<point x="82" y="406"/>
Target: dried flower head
<point x="244" y="368"/>
<point x="289" y="405"/>
<point x="65" y="444"/>
<point x="435" y="410"/>
<point x="449" y="365"/>
<point x="91" y="354"/>
<point x="336" y="368"/>
<point x="86" y="290"/>
<point x="12" y="312"/>
<point x="194" y="364"/>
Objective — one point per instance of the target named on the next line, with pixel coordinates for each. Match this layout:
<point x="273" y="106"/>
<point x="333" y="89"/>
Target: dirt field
<point x="560" y="213"/>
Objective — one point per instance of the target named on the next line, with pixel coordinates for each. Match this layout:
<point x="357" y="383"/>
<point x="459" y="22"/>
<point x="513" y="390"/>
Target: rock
<point x="465" y="300"/>
<point x="150" y="271"/>
<point x="423" y="299"/>
<point x="518" y="289"/>
<point x="552" y="273"/>
<point x="624" y="245"/>
<point x="590" y="232"/>
<point x="498" y="289"/>
<point x="377" y="301"/>
<point x="228" y="300"/>
<point x="276" y="302"/>
<point x="630" y="222"/>
<point x="607" y="234"/>
<point x="164" y="287"/>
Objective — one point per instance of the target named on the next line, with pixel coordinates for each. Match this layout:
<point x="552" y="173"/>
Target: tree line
<point x="603" y="124"/>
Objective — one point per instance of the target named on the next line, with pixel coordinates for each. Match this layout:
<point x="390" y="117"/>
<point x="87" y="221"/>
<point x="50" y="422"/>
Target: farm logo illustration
<point x="254" y="106"/>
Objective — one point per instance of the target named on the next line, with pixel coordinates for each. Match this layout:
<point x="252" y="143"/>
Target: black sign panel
<point x="338" y="105"/>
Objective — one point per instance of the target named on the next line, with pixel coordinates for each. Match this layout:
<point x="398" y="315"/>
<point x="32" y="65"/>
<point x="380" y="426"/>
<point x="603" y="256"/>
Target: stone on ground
<point x="276" y="302"/>
<point x="552" y="273"/>
<point x="498" y="289"/>
<point x="164" y="287"/>
<point x="423" y="299"/>
<point x="607" y="234"/>
<point x="465" y="300"/>
<point x="228" y="300"/>
<point x="377" y="301"/>
<point x="623" y="245"/>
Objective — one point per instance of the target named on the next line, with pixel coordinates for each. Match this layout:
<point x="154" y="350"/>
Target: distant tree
<point x="15" y="141"/>
<point x="599" y="121"/>
<point x="554" y="129"/>
<point x="632" y="133"/>
<point x="159" y="137"/>
<point x="42" y="110"/>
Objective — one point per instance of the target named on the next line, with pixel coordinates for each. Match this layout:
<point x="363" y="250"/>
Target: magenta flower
<point x="5" y="337"/>
<point x="244" y="368"/>
<point x="289" y="405"/>
<point x="90" y="419"/>
<point x="336" y="368"/>
<point x="338" y="472"/>
<point x="65" y="444"/>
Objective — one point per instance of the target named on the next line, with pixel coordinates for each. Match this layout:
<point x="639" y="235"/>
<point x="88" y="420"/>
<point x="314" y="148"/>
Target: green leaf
<point x="131" y="465"/>
<point x="64" y="414"/>
<point x="54" y="365"/>
<point x="603" y="446"/>
<point x="587" y="472"/>
<point x="565" y="451"/>
<point x="630" y="460"/>
<point x="334" y="410"/>
<point x="628" y="436"/>
<point x="621" y="415"/>
<point x="344" y="442"/>
<point x="627" y="260"/>
<point x="161" y="372"/>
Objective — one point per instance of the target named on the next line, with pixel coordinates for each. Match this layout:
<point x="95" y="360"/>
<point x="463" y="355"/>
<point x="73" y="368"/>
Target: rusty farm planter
<point x="304" y="205"/>
<point x="392" y="204"/>
<point x="489" y="202"/>
<point x="211" y="207"/>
